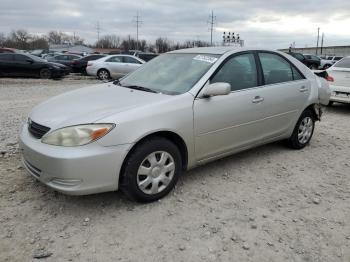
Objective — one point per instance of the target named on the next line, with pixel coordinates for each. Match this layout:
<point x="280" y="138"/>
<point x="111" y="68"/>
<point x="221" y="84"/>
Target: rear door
<point x="284" y="92"/>
<point x="115" y="66"/>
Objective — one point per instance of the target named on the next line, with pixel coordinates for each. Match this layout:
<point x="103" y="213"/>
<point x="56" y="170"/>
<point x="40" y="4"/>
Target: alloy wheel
<point x="103" y="75"/>
<point x="305" y="130"/>
<point x="155" y="172"/>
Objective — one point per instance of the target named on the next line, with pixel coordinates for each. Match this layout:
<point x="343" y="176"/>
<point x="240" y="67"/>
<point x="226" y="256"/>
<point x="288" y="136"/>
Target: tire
<point x="306" y="126"/>
<point x="151" y="170"/>
<point x="103" y="74"/>
<point x="45" y="73"/>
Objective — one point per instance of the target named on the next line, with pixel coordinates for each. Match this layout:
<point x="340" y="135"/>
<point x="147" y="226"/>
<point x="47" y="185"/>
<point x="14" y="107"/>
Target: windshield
<point x="171" y="73"/>
<point x="344" y="63"/>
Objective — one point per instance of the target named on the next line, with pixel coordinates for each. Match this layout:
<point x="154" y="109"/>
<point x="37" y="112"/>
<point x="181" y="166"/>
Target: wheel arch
<point x="171" y="136"/>
<point x="103" y="68"/>
<point x="316" y="110"/>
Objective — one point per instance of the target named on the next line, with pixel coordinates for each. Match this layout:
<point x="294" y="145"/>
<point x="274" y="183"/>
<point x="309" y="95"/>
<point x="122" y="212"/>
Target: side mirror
<point x="216" y="89"/>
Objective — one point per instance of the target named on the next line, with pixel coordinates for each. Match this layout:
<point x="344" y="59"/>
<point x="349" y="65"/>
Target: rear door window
<point x="277" y="69"/>
<point x="115" y="59"/>
<point x="131" y="60"/>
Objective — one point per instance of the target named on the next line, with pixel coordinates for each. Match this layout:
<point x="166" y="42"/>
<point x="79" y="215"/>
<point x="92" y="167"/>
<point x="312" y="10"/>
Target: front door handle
<point x="257" y="99"/>
<point x="303" y="89"/>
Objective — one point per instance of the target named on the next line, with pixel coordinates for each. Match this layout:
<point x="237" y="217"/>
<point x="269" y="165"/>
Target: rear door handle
<point x="257" y="99"/>
<point x="303" y="89"/>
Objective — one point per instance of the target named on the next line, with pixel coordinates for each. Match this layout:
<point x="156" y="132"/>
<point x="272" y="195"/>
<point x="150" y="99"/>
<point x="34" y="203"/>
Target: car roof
<point x="220" y="50"/>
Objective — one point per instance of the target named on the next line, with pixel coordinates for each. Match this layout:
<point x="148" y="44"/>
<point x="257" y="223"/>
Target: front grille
<point x="37" y="130"/>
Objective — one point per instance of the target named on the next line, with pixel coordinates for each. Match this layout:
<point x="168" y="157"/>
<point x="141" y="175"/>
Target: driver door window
<point x="239" y="71"/>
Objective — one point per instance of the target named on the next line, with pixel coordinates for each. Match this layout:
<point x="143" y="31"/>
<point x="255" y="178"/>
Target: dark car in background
<point x="146" y="56"/>
<point x="64" y="59"/>
<point x="79" y="65"/>
<point x="311" y="61"/>
<point x="26" y="65"/>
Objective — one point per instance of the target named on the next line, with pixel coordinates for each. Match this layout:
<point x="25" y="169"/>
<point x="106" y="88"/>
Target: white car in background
<point x="113" y="66"/>
<point x="340" y="87"/>
<point x="328" y="61"/>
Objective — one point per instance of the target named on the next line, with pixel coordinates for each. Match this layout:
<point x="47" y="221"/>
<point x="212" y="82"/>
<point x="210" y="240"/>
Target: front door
<point x="223" y="124"/>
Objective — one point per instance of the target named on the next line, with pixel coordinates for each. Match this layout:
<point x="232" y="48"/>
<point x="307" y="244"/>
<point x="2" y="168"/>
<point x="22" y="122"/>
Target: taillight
<point x="329" y="78"/>
<point x="89" y="64"/>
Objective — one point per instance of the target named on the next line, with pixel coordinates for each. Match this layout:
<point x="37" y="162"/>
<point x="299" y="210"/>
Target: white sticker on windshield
<point x="204" y="58"/>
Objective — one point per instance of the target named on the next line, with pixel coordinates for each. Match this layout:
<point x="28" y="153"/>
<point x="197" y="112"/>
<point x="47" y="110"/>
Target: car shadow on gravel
<point x="117" y="200"/>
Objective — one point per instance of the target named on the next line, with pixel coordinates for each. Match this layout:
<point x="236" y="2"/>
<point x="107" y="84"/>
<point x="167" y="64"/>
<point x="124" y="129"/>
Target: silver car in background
<point x="180" y="110"/>
<point x="340" y="87"/>
<point x="113" y="66"/>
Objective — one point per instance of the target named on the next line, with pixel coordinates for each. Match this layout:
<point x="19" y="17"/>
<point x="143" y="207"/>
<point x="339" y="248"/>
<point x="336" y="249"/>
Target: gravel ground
<point x="266" y="204"/>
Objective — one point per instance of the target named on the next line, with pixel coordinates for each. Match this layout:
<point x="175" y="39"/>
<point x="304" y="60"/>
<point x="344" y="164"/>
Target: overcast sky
<point x="269" y="23"/>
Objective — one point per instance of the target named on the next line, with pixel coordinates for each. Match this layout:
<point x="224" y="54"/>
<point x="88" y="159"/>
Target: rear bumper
<point x="340" y="94"/>
<point x="81" y="170"/>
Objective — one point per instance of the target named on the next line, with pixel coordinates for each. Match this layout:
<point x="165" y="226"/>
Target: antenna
<point x="211" y="22"/>
<point x="138" y="23"/>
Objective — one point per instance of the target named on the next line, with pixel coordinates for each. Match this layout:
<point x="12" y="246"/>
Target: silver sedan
<point x="180" y="110"/>
<point x="113" y="66"/>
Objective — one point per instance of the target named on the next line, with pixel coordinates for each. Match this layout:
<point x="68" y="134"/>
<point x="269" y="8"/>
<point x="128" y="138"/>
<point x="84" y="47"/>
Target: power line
<point x="138" y="23"/>
<point x="318" y="38"/>
<point x="211" y="22"/>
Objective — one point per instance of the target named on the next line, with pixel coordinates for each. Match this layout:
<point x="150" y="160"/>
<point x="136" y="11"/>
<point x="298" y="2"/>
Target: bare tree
<point x="108" y="41"/>
<point x="162" y="45"/>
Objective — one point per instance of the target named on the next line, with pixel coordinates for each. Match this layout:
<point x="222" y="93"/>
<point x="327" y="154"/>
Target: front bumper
<point x="340" y="94"/>
<point x="80" y="170"/>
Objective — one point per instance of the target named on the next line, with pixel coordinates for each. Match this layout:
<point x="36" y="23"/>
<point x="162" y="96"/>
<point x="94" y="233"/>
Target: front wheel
<point x="151" y="170"/>
<point x="303" y="130"/>
<point x="45" y="73"/>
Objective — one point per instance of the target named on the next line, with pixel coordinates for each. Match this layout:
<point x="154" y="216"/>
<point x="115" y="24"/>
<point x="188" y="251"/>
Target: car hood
<point x="90" y="104"/>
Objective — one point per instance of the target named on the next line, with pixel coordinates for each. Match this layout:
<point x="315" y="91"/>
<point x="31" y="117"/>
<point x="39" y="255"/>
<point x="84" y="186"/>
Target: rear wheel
<point x="303" y="130"/>
<point x="103" y="74"/>
<point x="45" y="73"/>
<point x="152" y="170"/>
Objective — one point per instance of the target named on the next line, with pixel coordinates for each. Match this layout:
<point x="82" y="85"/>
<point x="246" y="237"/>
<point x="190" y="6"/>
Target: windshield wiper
<point x="141" y="88"/>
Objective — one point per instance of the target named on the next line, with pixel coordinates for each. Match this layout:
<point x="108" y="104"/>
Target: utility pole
<point x="318" y="37"/>
<point x="138" y="23"/>
<point x="98" y="29"/>
<point x="211" y="22"/>
<point x="322" y="43"/>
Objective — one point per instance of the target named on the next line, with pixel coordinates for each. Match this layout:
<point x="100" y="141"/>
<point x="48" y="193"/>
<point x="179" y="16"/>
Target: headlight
<point x="77" y="135"/>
